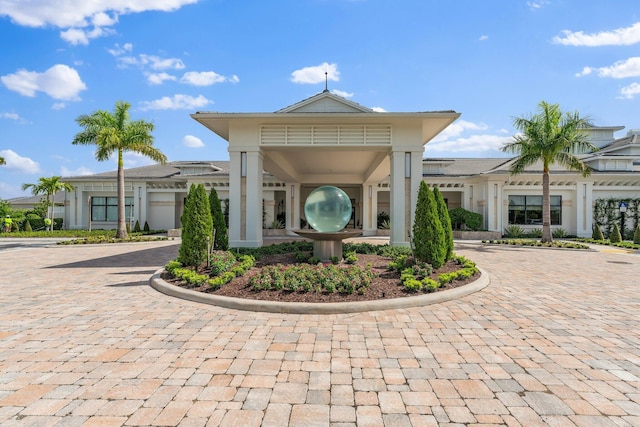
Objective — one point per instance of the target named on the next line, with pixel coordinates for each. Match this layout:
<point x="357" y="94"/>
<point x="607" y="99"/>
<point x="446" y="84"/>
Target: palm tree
<point x="552" y="137"/>
<point x="2" y="162"/>
<point x="49" y="186"/>
<point x="116" y="132"/>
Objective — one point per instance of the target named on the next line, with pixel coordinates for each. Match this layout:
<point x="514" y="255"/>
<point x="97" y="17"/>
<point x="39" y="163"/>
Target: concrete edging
<point x="166" y="288"/>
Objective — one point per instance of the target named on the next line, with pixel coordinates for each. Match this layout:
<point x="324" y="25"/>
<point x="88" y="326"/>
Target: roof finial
<point x="326" y="82"/>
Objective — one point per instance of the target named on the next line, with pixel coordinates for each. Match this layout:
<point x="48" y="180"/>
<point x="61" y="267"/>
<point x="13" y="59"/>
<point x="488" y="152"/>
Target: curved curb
<point x="317" y="308"/>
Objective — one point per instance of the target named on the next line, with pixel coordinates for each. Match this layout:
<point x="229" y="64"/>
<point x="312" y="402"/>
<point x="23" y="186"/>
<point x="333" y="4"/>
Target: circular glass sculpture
<point x="328" y="209"/>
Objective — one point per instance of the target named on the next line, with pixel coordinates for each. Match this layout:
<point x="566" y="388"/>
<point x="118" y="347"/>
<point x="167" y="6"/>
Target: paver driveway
<point x="553" y="340"/>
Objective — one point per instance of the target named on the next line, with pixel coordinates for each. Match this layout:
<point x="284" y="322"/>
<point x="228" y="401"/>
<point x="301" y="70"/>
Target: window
<point x="528" y="210"/>
<point x="106" y="208"/>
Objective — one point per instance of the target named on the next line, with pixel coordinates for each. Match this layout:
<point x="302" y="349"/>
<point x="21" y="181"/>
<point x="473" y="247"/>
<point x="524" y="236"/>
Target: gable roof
<point x="325" y="102"/>
<point x="158" y="171"/>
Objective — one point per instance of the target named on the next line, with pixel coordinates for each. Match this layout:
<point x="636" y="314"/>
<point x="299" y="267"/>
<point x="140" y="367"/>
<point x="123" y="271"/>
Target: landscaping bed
<point x="385" y="283"/>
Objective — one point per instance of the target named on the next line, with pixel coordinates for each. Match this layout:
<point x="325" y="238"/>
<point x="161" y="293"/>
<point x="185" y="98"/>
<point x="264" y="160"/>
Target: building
<point x="277" y="159"/>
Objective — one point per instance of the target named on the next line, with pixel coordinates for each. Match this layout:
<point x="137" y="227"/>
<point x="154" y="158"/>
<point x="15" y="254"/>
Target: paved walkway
<point x="553" y="340"/>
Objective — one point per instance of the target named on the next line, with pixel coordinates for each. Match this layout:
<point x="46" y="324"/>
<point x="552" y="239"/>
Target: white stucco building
<point x="277" y="159"/>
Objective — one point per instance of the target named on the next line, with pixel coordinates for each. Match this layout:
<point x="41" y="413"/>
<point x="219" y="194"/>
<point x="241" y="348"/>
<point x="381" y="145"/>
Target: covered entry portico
<point x="324" y="140"/>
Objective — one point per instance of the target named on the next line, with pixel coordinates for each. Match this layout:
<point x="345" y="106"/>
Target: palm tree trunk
<point x="121" y="232"/>
<point x="52" y="207"/>
<point x="546" y="210"/>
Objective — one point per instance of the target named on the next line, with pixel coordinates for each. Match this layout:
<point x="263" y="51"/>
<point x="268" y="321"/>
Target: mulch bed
<point x="385" y="285"/>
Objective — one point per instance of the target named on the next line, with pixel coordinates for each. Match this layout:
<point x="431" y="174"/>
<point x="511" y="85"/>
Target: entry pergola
<point x="324" y="140"/>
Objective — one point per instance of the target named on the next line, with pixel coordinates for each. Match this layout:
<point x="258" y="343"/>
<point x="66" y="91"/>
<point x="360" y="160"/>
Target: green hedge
<point x="462" y="219"/>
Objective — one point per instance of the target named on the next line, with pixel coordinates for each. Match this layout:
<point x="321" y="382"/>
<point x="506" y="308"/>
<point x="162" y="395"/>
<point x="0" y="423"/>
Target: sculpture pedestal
<point x="327" y="245"/>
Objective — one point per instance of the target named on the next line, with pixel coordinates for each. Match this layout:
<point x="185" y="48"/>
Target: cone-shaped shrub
<point x="136" y="228"/>
<point x="597" y="233"/>
<point x="146" y="226"/>
<point x="27" y="226"/>
<point x="196" y="227"/>
<point x="615" y="235"/>
<point x="221" y="240"/>
<point x="428" y="234"/>
<point x="445" y="220"/>
<point x="636" y="235"/>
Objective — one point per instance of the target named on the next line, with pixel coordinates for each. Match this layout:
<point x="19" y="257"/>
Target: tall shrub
<point x="428" y="234"/>
<point x="636" y="235"/>
<point x="196" y="227"/>
<point x="615" y="236"/>
<point x="445" y="220"/>
<point x="597" y="233"/>
<point x="221" y="240"/>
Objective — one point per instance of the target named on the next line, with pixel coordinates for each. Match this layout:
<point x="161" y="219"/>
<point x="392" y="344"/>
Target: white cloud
<point x="202" y="78"/>
<point x="59" y="82"/>
<point x="120" y="50"/>
<point x="17" y="163"/>
<point x="77" y="36"/>
<point x="316" y="74"/>
<point x="58" y="105"/>
<point x="152" y="61"/>
<point x="471" y="144"/>
<point x="342" y="93"/>
<point x="457" y="128"/>
<point x="177" y="102"/>
<point x="78" y="14"/>
<point x="80" y="171"/>
<point x="10" y="116"/>
<point x="537" y="4"/>
<point x="192" y="141"/>
<point x="619" y="37"/>
<point x="585" y="72"/>
<point x="464" y="136"/>
<point x="619" y="70"/>
<point x="630" y="91"/>
<point x="379" y="110"/>
<point x="159" y="78"/>
<point x="134" y="160"/>
<point x="483" y="37"/>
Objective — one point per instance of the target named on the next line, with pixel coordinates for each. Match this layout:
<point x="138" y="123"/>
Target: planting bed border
<point x="419" y="300"/>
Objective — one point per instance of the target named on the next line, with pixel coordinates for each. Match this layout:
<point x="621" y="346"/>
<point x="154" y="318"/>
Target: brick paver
<point x="553" y="340"/>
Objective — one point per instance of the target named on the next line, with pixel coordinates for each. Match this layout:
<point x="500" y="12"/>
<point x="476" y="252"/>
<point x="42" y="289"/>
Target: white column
<point x="235" y="199"/>
<point x="584" y="209"/>
<point x="397" y="199"/>
<point x="254" y="200"/>
<point x="493" y="207"/>
<point x="369" y="208"/>
<point x="293" y="207"/>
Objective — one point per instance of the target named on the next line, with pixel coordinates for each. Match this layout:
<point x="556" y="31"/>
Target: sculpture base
<point x="327" y="245"/>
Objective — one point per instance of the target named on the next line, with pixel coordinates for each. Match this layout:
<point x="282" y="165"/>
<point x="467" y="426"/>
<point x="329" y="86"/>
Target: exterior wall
<point x="453" y="198"/>
<point x="570" y="205"/>
<point x="162" y="210"/>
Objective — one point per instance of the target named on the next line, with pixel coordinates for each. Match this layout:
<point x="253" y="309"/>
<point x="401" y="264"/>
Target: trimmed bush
<point x="221" y="240"/>
<point x="597" y="233"/>
<point x="136" y="227"/>
<point x="27" y="226"/>
<point x="428" y="234"/>
<point x="636" y="235"/>
<point x="462" y="219"/>
<point x="443" y="214"/>
<point x="146" y="227"/>
<point x="615" y="236"/>
<point x="196" y="227"/>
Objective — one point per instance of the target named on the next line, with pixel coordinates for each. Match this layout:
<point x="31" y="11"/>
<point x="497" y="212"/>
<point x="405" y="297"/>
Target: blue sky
<point x="489" y="60"/>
